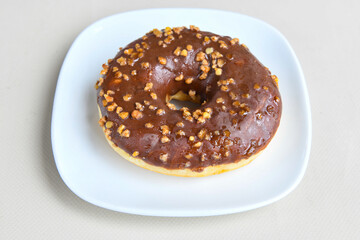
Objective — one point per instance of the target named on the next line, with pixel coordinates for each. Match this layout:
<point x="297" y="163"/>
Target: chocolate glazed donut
<point x="239" y="104"/>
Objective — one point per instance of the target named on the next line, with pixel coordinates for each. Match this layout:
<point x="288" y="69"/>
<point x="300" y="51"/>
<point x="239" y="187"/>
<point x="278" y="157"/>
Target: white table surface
<point x="36" y="204"/>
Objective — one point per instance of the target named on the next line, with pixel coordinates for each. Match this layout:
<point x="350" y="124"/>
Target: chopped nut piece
<point x="194" y="28"/>
<point x="191" y="138"/>
<point x="220" y="62"/>
<point x="139" y="106"/>
<point x="189" y="80"/>
<point x="244" y="46"/>
<point x="198" y="35"/>
<point x="108" y="98"/>
<point x="153" y="95"/>
<point x="102" y="121"/>
<point x="147" y="103"/>
<point x="205" y="68"/>
<point x="101" y="80"/>
<point x="152" y="107"/>
<point x="206" y="40"/>
<point x="145" y="65"/>
<point x="107" y="133"/>
<point x="216" y="156"/>
<point x="148" y="86"/>
<point x="109" y="92"/>
<point x="165" y="129"/>
<point x="208" y="110"/>
<point x="216" y="55"/>
<point x="104" y="102"/>
<point x="128" y="51"/>
<point x="179" y="78"/>
<point x="277" y="99"/>
<point x="149" y="125"/>
<point x="184" y="53"/>
<point x="203" y="76"/>
<point x="245" y="95"/>
<point x="109" y="124"/>
<point x="127" y="97"/>
<point x="206" y="115"/>
<point x="145" y="45"/>
<point x="265" y="88"/>
<point x="121" y="128"/>
<point x="236" y="104"/>
<point x="162" y="60"/>
<point x="118" y="74"/>
<point x="135" y="154"/>
<point x="200" y="56"/>
<point x="165" y="139"/>
<point x="133" y="72"/>
<point x="136" y="114"/>
<point x="227" y="133"/>
<point x="197" y="145"/>
<point x="232" y="112"/>
<point x="234" y="41"/>
<point x="101" y="93"/>
<point x="126" y="77"/>
<point x="123" y="115"/>
<point x="218" y="71"/>
<point x="119" y="109"/>
<point x="180" y="133"/>
<point x="160" y="112"/>
<point x="177" y="51"/>
<point x="192" y="94"/>
<point x="214" y="38"/>
<point x="224" y="88"/>
<point x="180" y="124"/>
<point x="223" y="44"/>
<point x="188" y="156"/>
<point x="232" y="95"/>
<point x="157" y="32"/>
<point x="163" y="157"/>
<point x="219" y="100"/>
<point x="112" y="107"/>
<point x="256" y="86"/>
<point x="171" y="106"/>
<point x="121" y="61"/>
<point x="189" y="47"/>
<point x="115" y="69"/>
<point x="201" y="119"/>
<point x="201" y="134"/>
<point x="125" y="133"/>
<point x="209" y="50"/>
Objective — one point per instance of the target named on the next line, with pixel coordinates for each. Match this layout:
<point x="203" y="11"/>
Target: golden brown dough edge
<point x="207" y="171"/>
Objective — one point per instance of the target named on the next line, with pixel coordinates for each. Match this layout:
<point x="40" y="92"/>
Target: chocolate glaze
<point x="240" y="135"/>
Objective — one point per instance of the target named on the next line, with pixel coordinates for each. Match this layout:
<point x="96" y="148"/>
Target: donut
<point x="237" y="103"/>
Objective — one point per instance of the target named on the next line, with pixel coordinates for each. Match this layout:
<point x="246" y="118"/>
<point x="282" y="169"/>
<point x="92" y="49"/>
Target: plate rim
<point x="186" y="213"/>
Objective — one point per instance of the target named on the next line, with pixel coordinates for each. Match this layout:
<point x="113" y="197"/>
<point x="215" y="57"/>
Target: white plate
<point x="97" y="174"/>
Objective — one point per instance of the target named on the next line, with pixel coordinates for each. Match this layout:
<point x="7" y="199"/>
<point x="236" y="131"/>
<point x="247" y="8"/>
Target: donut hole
<point x="181" y="99"/>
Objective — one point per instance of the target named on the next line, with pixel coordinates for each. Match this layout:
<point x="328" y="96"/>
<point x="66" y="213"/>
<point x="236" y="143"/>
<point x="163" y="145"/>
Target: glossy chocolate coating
<point x="233" y="132"/>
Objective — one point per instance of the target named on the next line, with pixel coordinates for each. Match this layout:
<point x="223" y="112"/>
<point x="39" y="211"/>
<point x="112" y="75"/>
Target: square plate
<point x="97" y="174"/>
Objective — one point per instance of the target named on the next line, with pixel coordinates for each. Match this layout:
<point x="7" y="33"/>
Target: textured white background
<point x="36" y="204"/>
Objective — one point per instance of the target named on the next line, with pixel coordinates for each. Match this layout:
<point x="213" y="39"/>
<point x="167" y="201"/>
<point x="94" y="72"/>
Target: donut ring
<point x="238" y="112"/>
